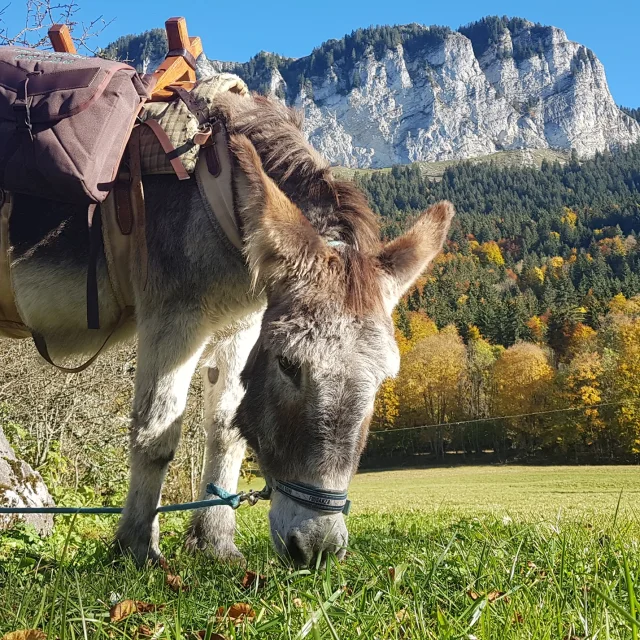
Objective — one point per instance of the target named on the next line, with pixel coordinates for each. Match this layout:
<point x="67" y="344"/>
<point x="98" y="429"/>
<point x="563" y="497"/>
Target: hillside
<point x="556" y="243"/>
<point x="436" y="170"/>
<point x="394" y="95"/>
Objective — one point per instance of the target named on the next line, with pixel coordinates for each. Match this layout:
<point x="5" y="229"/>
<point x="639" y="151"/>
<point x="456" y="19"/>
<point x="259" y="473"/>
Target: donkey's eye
<point x="289" y="368"/>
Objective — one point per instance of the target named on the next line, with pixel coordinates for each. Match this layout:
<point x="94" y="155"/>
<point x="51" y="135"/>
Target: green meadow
<point x="482" y="552"/>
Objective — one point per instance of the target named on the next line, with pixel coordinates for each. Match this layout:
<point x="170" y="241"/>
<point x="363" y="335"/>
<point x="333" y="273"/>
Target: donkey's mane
<point x="336" y="208"/>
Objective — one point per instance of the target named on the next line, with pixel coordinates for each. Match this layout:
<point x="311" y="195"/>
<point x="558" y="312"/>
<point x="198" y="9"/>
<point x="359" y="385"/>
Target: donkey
<point x="296" y="328"/>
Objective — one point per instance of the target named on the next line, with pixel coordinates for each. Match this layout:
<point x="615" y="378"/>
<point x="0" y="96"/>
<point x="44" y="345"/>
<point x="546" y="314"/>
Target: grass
<point x="469" y="552"/>
<point x="435" y="170"/>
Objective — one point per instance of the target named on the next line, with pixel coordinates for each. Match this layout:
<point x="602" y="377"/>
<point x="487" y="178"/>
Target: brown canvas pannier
<point x="64" y="122"/>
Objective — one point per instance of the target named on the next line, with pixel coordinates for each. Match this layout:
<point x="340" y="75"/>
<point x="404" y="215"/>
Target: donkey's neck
<point x="190" y="255"/>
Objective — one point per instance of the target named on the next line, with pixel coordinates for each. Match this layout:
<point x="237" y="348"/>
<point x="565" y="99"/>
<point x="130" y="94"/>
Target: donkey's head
<point x="326" y="345"/>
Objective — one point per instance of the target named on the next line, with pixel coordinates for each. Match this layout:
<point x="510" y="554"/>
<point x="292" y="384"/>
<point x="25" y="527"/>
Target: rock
<point x="441" y="102"/>
<point x="393" y="95"/>
<point x="21" y="486"/>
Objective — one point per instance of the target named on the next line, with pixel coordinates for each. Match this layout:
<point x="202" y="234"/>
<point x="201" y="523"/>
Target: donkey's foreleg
<point x="167" y="358"/>
<point x="213" y="529"/>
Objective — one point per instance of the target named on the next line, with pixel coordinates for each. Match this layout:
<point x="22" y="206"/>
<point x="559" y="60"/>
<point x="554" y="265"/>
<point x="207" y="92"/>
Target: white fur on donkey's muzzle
<point x="302" y="533"/>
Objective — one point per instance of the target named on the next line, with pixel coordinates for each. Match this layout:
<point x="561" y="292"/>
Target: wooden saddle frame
<point x="178" y="68"/>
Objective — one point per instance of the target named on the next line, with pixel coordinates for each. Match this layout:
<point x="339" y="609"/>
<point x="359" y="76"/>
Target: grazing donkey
<point x="296" y="328"/>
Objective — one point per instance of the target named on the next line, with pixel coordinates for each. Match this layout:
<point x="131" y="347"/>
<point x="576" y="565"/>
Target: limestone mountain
<point x="393" y="95"/>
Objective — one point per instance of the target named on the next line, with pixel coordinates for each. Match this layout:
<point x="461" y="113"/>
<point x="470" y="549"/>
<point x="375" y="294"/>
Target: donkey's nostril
<point x="294" y="547"/>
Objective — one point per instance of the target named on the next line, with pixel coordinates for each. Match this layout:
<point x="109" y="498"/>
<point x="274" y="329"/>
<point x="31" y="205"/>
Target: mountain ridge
<point x="393" y="95"/>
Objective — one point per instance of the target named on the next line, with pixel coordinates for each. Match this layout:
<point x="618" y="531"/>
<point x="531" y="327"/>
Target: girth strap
<point x="41" y="346"/>
<point x="95" y="231"/>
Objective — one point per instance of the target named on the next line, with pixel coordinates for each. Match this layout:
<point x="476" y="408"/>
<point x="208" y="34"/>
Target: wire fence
<point x="496" y="418"/>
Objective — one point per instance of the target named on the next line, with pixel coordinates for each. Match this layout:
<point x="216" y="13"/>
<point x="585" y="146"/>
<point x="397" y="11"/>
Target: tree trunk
<point x="21" y="486"/>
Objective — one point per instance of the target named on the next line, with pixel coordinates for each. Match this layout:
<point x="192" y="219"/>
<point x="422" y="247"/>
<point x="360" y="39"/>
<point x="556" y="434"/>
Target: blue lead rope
<point x="325" y="500"/>
<point x="224" y="498"/>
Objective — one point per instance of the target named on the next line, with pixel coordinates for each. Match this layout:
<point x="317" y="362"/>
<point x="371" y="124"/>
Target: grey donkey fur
<point x="296" y="331"/>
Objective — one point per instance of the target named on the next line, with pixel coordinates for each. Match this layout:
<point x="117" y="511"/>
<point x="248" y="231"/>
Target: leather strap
<point x="136" y="193"/>
<point x="191" y="102"/>
<point x="118" y="252"/>
<point x="182" y="53"/>
<point x="41" y="346"/>
<point x="216" y="189"/>
<point x="168" y="148"/>
<point x="93" y="303"/>
<point x="123" y="215"/>
<point x="126" y="245"/>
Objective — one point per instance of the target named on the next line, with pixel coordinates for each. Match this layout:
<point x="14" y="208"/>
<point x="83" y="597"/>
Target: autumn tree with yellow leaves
<point x="429" y="383"/>
<point x="520" y="399"/>
<point x="522" y="378"/>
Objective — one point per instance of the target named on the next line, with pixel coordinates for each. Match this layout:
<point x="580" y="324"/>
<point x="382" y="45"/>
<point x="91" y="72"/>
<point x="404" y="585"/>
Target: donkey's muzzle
<point x="302" y="534"/>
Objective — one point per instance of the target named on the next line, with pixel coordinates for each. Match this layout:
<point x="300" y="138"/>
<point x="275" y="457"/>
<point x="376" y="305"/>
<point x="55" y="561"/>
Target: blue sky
<point x="236" y="30"/>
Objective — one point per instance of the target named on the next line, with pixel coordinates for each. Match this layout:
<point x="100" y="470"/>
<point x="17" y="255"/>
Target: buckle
<point x="204" y="137"/>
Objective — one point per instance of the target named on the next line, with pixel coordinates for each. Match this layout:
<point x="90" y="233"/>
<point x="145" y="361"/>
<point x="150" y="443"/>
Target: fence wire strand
<point x="494" y="418"/>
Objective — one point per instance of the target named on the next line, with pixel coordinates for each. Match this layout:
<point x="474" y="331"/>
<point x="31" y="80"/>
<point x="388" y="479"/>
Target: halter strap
<point x="327" y="500"/>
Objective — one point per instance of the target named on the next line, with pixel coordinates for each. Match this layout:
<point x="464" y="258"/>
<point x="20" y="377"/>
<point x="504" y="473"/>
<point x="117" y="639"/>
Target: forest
<point x="533" y="308"/>
<point x="632" y="113"/>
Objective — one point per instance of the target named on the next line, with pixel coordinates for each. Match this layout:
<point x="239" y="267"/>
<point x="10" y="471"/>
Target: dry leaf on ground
<point x="25" y="634"/>
<point x="238" y="613"/>
<point x="175" y="583"/>
<point x="124" y="609"/>
<point x="492" y="596"/>
<point x="251" y="578"/>
<point x="147" y="607"/>
<point x="144" y="631"/>
<point x="214" y="636"/>
<point x="518" y="617"/>
<point x="241" y="611"/>
<point x="402" y="615"/>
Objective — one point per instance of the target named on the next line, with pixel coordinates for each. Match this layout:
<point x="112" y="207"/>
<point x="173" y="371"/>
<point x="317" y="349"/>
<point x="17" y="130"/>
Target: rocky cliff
<point x="389" y="95"/>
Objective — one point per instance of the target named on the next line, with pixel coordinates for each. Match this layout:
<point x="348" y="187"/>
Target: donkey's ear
<point x="279" y="240"/>
<point x="406" y="257"/>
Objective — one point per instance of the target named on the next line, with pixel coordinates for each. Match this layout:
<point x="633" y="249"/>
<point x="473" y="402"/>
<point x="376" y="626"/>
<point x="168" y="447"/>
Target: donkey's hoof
<point x="141" y="554"/>
<point x="222" y="551"/>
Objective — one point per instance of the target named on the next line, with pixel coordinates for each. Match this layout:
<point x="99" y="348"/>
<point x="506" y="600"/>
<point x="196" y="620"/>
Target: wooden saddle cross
<point x="178" y="68"/>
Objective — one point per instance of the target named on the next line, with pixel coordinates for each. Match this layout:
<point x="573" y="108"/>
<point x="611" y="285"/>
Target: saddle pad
<point x="181" y="125"/>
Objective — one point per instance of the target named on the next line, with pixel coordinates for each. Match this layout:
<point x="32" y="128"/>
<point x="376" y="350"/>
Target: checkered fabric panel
<point x="180" y="125"/>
